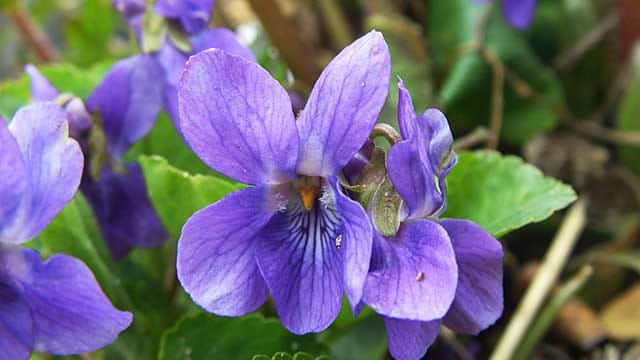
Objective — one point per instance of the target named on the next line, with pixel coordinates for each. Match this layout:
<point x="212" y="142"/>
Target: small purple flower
<point x="133" y="11"/>
<point x="194" y="16"/>
<point x="54" y="306"/>
<point x="293" y="232"/>
<point x="128" y="101"/>
<point x="518" y="13"/>
<point x="432" y="271"/>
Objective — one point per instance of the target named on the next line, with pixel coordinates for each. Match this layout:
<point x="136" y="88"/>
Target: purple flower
<point x="42" y="90"/>
<point x="54" y="306"/>
<point x="432" y="271"/>
<point x="193" y="15"/>
<point x="293" y="232"/>
<point x="128" y="101"/>
<point x="133" y="11"/>
<point x="518" y="13"/>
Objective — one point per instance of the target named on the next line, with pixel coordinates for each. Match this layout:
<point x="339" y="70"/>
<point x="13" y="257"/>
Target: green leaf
<point x="502" y="193"/>
<point x="287" y="356"/>
<point x="75" y="232"/>
<point x="164" y="140"/>
<point x="88" y="33"/>
<point x="466" y="93"/>
<point x="205" y="336"/>
<point x="451" y="23"/>
<point x="629" y="117"/>
<point x="366" y="339"/>
<point x="176" y="195"/>
<point x="66" y="77"/>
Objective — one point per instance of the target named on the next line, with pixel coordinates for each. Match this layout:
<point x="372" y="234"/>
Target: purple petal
<point x="426" y="154"/>
<point x="16" y="325"/>
<point x="356" y="240"/>
<point x="70" y="313"/>
<point x="519" y="13"/>
<point x="413" y="179"/>
<point x="130" y="8"/>
<point x="193" y="14"/>
<point x="41" y="88"/>
<point x="297" y="101"/>
<point x="237" y="118"/>
<point x="216" y="262"/>
<point x="79" y="117"/>
<point x="299" y="257"/>
<point x="173" y="62"/>
<point x="436" y="132"/>
<point x="124" y="211"/>
<point x="223" y="39"/>
<point x="409" y="339"/>
<point x="133" y="11"/>
<point x="128" y="99"/>
<point x="406" y="112"/>
<point x="53" y="163"/>
<point x="414" y="273"/>
<point x="13" y="182"/>
<point x="431" y="131"/>
<point x="343" y="106"/>
<point x="479" y="299"/>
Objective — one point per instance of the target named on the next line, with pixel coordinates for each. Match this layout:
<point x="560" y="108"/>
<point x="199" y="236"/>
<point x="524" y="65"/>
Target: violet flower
<point x="193" y="16"/>
<point x="293" y="232"/>
<point x="518" y="13"/>
<point x="54" y="306"/>
<point x="128" y="102"/>
<point x="432" y="271"/>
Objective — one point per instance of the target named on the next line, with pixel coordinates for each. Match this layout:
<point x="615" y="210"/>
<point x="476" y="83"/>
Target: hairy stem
<point x="386" y="131"/>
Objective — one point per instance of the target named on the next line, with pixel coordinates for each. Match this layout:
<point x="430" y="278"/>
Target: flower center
<point x="308" y="188"/>
<point x="308" y="195"/>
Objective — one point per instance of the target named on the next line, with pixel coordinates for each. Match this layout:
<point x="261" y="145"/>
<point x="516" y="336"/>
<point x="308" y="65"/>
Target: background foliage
<point x="560" y="100"/>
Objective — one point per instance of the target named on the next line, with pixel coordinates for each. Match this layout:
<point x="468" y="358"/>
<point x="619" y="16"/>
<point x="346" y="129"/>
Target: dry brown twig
<point x="34" y="38"/>
<point x="588" y="42"/>
<point x="295" y="52"/>
<point x="554" y="261"/>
